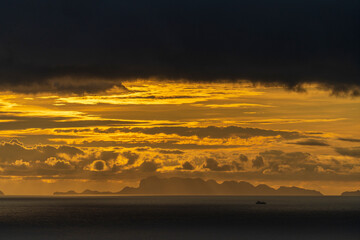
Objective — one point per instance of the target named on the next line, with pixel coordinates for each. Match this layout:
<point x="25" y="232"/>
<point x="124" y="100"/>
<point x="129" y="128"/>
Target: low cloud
<point x="15" y="122"/>
<point x="77" y="85"/>
<point x="243" y="158"/>
<point x="349" y="139"/>
<point x="108" y="155"/>
<point x="98" y="165"/>
<point x="258" y="162"/>
<point x="15" y="150"/>
<point x="130" y="156"/>
<point x="187" y="166"/>
<point x="312" y="142"/>
<point x="203" y="132"/>
<point x="68" y="162"/>
<point x="58" y="164"/>
<point x="171" y="152"/>
<point x="213" y="165"/>
<point x="148" y="166"/>
<point x="172" y="144"/>
<point x="302" y="163"/>
<point x="352" y="152"/>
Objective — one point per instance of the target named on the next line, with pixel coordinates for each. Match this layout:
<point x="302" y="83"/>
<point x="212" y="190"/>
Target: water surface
<point x="179" y="217"/>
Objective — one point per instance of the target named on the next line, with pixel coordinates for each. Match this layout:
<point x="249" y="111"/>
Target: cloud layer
<point x="66" y="162"/>
<point x="44" y="44"/>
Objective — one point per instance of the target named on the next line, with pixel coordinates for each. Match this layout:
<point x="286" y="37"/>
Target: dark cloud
<point x="238" y="166"/>
<point x="32" y="139"/>
<point x="130" y="156"/>
<point x="58" y="164"/>
<point x="25" y="122"/>
<point x="108" y="155"/>
<point x="148" y="166"/>
<point x="202" y="132"/>
<point x="349" y="139"/>
<point x="243" y="158"/>
<point x="15" y="150"/>
<point x="165" y="145"/>
<point x="352" y="152"/>
<point x="72" y="130"/>
<point x="213" y="165"/>
<point x="45" y="45"/>
<point x="99" y="165"/>
<point x="278" y="161"/>
<point x="302" y="163"/>
<point x="171" y="152"/>
<point x="312" y="142"/>
<point x="187" y="166"/>
<point x="78" y="86"/>
<point x="67" y="162"/>
<point x="142" y="149"/>
<point x="258" y="162"/>
<point x="46" y="160"/>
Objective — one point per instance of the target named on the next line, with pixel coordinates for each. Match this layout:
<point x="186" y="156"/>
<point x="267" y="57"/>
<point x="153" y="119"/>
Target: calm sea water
<point x="179" y="217"/>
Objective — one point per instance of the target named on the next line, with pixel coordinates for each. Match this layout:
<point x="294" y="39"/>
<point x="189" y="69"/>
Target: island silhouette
<point x="351" y="193"/>
<point x="197" y="186"/>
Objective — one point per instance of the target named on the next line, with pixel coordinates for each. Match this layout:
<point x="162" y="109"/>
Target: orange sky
<point x="56" y="142"/>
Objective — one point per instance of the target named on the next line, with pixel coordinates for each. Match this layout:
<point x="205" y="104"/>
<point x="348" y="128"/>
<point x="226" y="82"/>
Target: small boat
<point x="260" y="202"/>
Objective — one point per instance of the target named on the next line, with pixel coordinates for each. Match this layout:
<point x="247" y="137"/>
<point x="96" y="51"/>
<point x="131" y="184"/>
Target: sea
<point x="179" y="217"/>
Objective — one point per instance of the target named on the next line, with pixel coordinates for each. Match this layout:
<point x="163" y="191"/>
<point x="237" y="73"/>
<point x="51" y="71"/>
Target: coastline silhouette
<point x="197" y="186"/>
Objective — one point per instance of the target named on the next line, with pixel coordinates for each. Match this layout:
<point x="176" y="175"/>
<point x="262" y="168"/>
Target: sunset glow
<point x="115" y="138"/>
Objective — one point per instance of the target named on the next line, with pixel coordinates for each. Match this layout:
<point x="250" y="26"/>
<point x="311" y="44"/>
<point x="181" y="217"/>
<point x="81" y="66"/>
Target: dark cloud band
<point x="270" y="42"/>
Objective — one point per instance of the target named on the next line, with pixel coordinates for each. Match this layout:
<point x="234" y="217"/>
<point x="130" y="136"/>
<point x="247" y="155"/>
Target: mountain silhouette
<point x="85" y="192"/>
<point x="197" y="186"/>
<point x="354" y="193"/>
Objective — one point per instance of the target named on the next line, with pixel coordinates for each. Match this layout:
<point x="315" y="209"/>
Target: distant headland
<point x="197" y="186"/>
<point x="354" y="193"/>
<point x="85" y="192"/>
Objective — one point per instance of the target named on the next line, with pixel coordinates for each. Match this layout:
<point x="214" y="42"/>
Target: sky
<point x="101" y="94"/>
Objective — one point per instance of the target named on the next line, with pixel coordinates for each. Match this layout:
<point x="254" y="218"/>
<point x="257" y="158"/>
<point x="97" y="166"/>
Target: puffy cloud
<point x="108" y="155"/>
<point x="279" y="162"/>
<point x="148" y="166"/>
<point x="14" y="150"/>
<point x="46" y="160"/>
<point x="274" y="155"/>
<point x="66" y="162"/>
<point x="238" y="166"/>
<point x="21" y="164"/>
<point x="97" y="165"/>
<point x="243" y="158"/>
<point x="187" y="166"/>
<point x="213" y="165"/>
<point x="171" y="152"/>
<point x="258" y="162"/>
<point x="58" y="164"/>
<point x="130" y="156"/>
